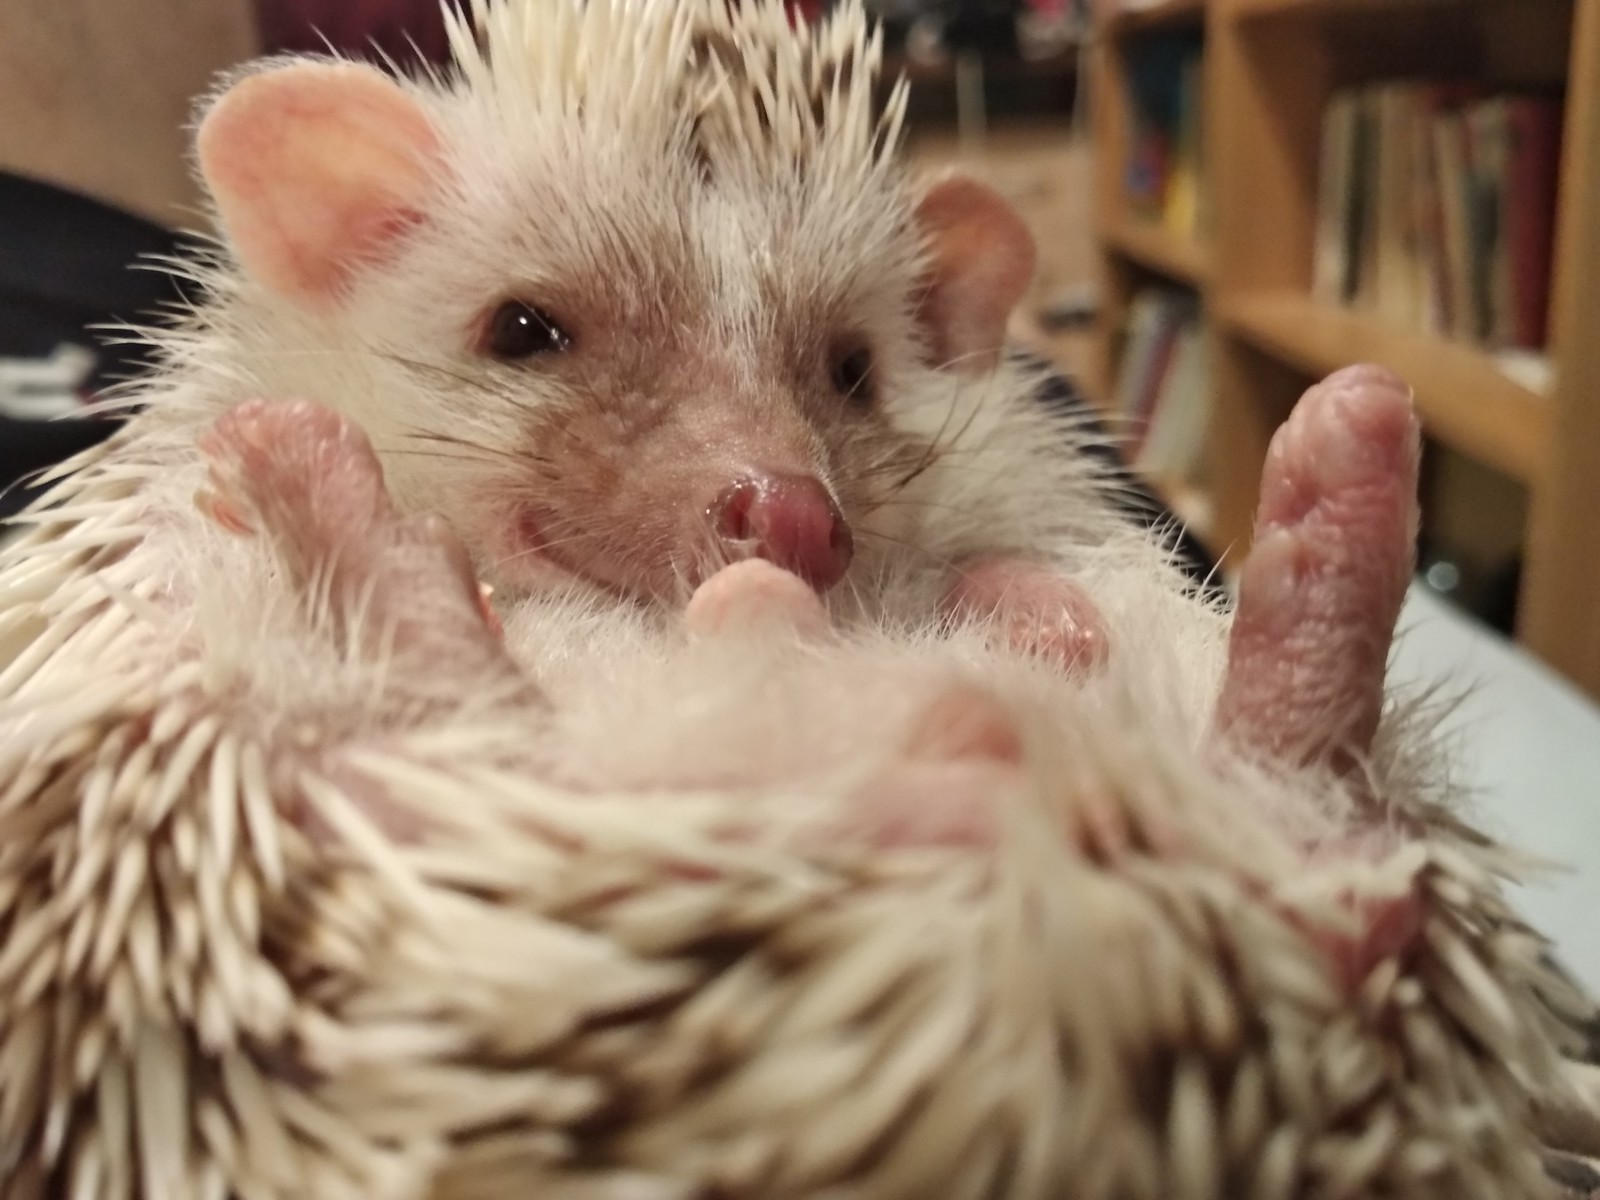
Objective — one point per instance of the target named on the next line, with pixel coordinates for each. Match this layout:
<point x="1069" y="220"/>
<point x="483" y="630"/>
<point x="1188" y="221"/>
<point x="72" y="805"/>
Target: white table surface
<point x="1529" y="745"/>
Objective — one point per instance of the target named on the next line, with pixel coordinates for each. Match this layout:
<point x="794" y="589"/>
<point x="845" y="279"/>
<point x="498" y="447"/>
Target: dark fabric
<point x="67" y="265"/>
<point x="1579" y="1178"/>
<point x="401" y="30"/>
<point x="982" y="26"/>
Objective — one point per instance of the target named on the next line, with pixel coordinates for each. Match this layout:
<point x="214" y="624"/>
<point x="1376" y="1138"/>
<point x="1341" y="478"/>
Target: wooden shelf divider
<point x="1160" y="250"/>
<point x="1465" y="399"/>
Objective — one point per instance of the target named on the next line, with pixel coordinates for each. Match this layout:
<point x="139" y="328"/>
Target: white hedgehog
<point x="838" y="800"/>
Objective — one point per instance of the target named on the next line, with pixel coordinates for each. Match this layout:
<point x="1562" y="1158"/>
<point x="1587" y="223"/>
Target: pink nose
<point x="789" y="520"/>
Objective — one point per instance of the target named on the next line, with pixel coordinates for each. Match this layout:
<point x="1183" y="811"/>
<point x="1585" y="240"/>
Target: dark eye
<point x="520" y="330"/>
<point x="852" y="374"/>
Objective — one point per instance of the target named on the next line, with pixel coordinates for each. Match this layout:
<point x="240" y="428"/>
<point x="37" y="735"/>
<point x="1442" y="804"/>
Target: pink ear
<point x="316" y="168"/>
<point x="982" y="259"/>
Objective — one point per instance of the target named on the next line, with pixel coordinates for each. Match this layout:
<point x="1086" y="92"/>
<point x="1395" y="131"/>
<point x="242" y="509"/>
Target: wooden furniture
<point x="97" y="98"/>
<point x="1269" y="68"/>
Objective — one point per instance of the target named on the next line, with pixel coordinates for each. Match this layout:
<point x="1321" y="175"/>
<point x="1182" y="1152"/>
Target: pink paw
<point x="1319" y="598"/>
<point x="1035" y="611"/>
<point x="292" y="465"/>
<point x="1383" y="929"/>
<point x="755" y="593"/>
<point x="962" y="760"/>
<point x="309" y="479"/>
<point x="1321" y="590"/>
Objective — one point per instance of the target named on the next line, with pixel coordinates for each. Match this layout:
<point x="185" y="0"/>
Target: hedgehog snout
<point x="792" y="521"/>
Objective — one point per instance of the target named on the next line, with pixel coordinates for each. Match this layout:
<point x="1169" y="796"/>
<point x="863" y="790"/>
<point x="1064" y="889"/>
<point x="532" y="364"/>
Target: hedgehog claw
<point x="222" y="513"/>
<point x="311" y="480"/>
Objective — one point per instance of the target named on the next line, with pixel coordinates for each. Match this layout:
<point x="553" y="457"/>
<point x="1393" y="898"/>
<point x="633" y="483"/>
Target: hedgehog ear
<point x="317" y="168"/>
<point x="981" y="261"/>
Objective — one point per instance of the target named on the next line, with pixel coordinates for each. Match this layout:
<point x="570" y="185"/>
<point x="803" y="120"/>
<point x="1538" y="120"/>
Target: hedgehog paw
<point x="1321" y="590"/>
<point x="309" y="480"/>
<point x="755" y="594"/>
<point x="296" y="471"/>
<point x="1033" y="611"/>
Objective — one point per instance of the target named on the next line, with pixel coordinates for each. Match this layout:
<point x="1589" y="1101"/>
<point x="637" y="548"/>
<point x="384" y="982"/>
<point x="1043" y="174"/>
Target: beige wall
<point x="95" y="94"/>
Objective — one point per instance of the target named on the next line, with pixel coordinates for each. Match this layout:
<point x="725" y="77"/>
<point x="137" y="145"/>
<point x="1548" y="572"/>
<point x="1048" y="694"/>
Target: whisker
<point x="483" y="449"/>
<point x="922" y="550"/>
<point x="897" y="501"/>
<point x="562" y="535"/>
<point x="1116" y="481"/>
<point x="399" y="360"/>
<point x="419" y="365"/>
<point x="932" y="451"/>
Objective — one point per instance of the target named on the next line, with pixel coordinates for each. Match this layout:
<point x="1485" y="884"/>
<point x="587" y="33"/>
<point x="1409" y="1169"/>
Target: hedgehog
<point x="585" y="674"/>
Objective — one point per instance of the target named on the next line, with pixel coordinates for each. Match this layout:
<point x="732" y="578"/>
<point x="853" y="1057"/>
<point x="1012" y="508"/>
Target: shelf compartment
<point x="1160" y="250"/>
<point x="1466" y="398"/>
<point x="1166" y="14"/>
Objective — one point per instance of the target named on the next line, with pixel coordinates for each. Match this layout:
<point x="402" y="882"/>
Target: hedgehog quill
<point x="587" y="674"/>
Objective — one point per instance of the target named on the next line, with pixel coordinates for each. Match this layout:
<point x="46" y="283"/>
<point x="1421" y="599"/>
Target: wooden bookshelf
<point x="1135" y="248"/>
<point x="1269" y="68"/>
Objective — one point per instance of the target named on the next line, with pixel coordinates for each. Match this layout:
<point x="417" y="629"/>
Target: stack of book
<point x="1437" y="209"/>
<point x="1163" y="386"/>
<point x="1165" y="154"/>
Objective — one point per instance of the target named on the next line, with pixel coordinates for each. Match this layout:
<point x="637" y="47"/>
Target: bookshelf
<point x="1179" y="259"/>
<point x="1270" y="68"/>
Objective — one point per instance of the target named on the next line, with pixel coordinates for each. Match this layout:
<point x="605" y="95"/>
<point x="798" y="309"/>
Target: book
<point x="1164" y="171"/>
<point x="1161" y="369"/>
<point x="1430" y="267"/>
<point x="1174" y="444"/>
<point x="1490" y="270"/>
<point x="1436" y="209"/>
<point x="1332" y="275"/>
<point x="1533" y="170"/>
<point x="1147" y="312"/>
<point x="1181" y="197"/>
<point x="1360" y="222"/>
<point x="1390" y="250"/>
<point x="1450" y="151"/>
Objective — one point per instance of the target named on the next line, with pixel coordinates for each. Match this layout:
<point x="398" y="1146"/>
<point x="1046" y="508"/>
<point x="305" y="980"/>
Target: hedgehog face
<point x="630" y="323"/>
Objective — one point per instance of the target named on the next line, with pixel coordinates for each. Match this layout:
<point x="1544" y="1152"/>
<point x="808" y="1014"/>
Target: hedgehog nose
<point x="789" y="520"/>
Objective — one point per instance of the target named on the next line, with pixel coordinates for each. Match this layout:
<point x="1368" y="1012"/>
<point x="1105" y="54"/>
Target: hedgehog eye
<point x="519" y="330"/>
<point x="852" y="374"/>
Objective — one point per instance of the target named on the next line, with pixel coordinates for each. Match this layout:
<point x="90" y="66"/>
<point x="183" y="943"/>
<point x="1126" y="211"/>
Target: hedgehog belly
<point x="237" y="964"/>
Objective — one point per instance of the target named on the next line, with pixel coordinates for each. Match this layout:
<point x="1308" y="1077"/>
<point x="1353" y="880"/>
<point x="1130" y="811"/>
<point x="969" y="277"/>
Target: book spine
<point x="1450" y="147"/>
<point x="1533" y="173"/>
<point x="1335" y="184"/>
<point x="1485" y="176"/>
<point x="1360" y="228"/>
